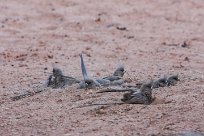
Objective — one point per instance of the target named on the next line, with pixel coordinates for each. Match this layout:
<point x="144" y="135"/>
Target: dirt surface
<point x="146" y="36"/>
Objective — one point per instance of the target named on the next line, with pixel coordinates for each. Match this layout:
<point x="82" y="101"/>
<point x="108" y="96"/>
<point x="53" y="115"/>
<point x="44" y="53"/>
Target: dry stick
<point x="26" y="94"/>
<point x="117" y="90"/>
<point x="99" y="104"/>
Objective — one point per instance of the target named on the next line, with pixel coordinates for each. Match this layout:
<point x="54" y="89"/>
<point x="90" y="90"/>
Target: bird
<point x="115" y="79"/>
<point x="142" y="95"/>
<point x="161" y="82"/>
<point x="165" y="81"/>
<point x="117" y="74"/>
<point x="59" y="80"/>
<point x="87" y="82"/>
<point x="120" y="71"/>
<point x="139" y="96"/>
<point x="172" y="80"/>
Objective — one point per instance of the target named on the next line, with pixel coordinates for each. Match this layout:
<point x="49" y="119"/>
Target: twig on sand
<point x="26" y="94"/>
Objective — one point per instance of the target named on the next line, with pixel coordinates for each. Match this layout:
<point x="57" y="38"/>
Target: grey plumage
<point x="117" y="74"/>
<point x="104" y="82"/>
<point x="161" y="82"/>
<point x="120" y="71"/>
<point x="135" y="98"/>
<point x="83" y="68"/>
<point x="142" y="95"/>
<point x="139" y="96"/>
<point x="165" y="81"/>
<point x="172" y="80"/>
<point x="58" y="80"/>
<point x="115" y="79"/>
<point x="87" y="82"/>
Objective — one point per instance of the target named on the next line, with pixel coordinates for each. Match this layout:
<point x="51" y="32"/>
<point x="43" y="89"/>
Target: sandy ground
<point x="146" y="36"/>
